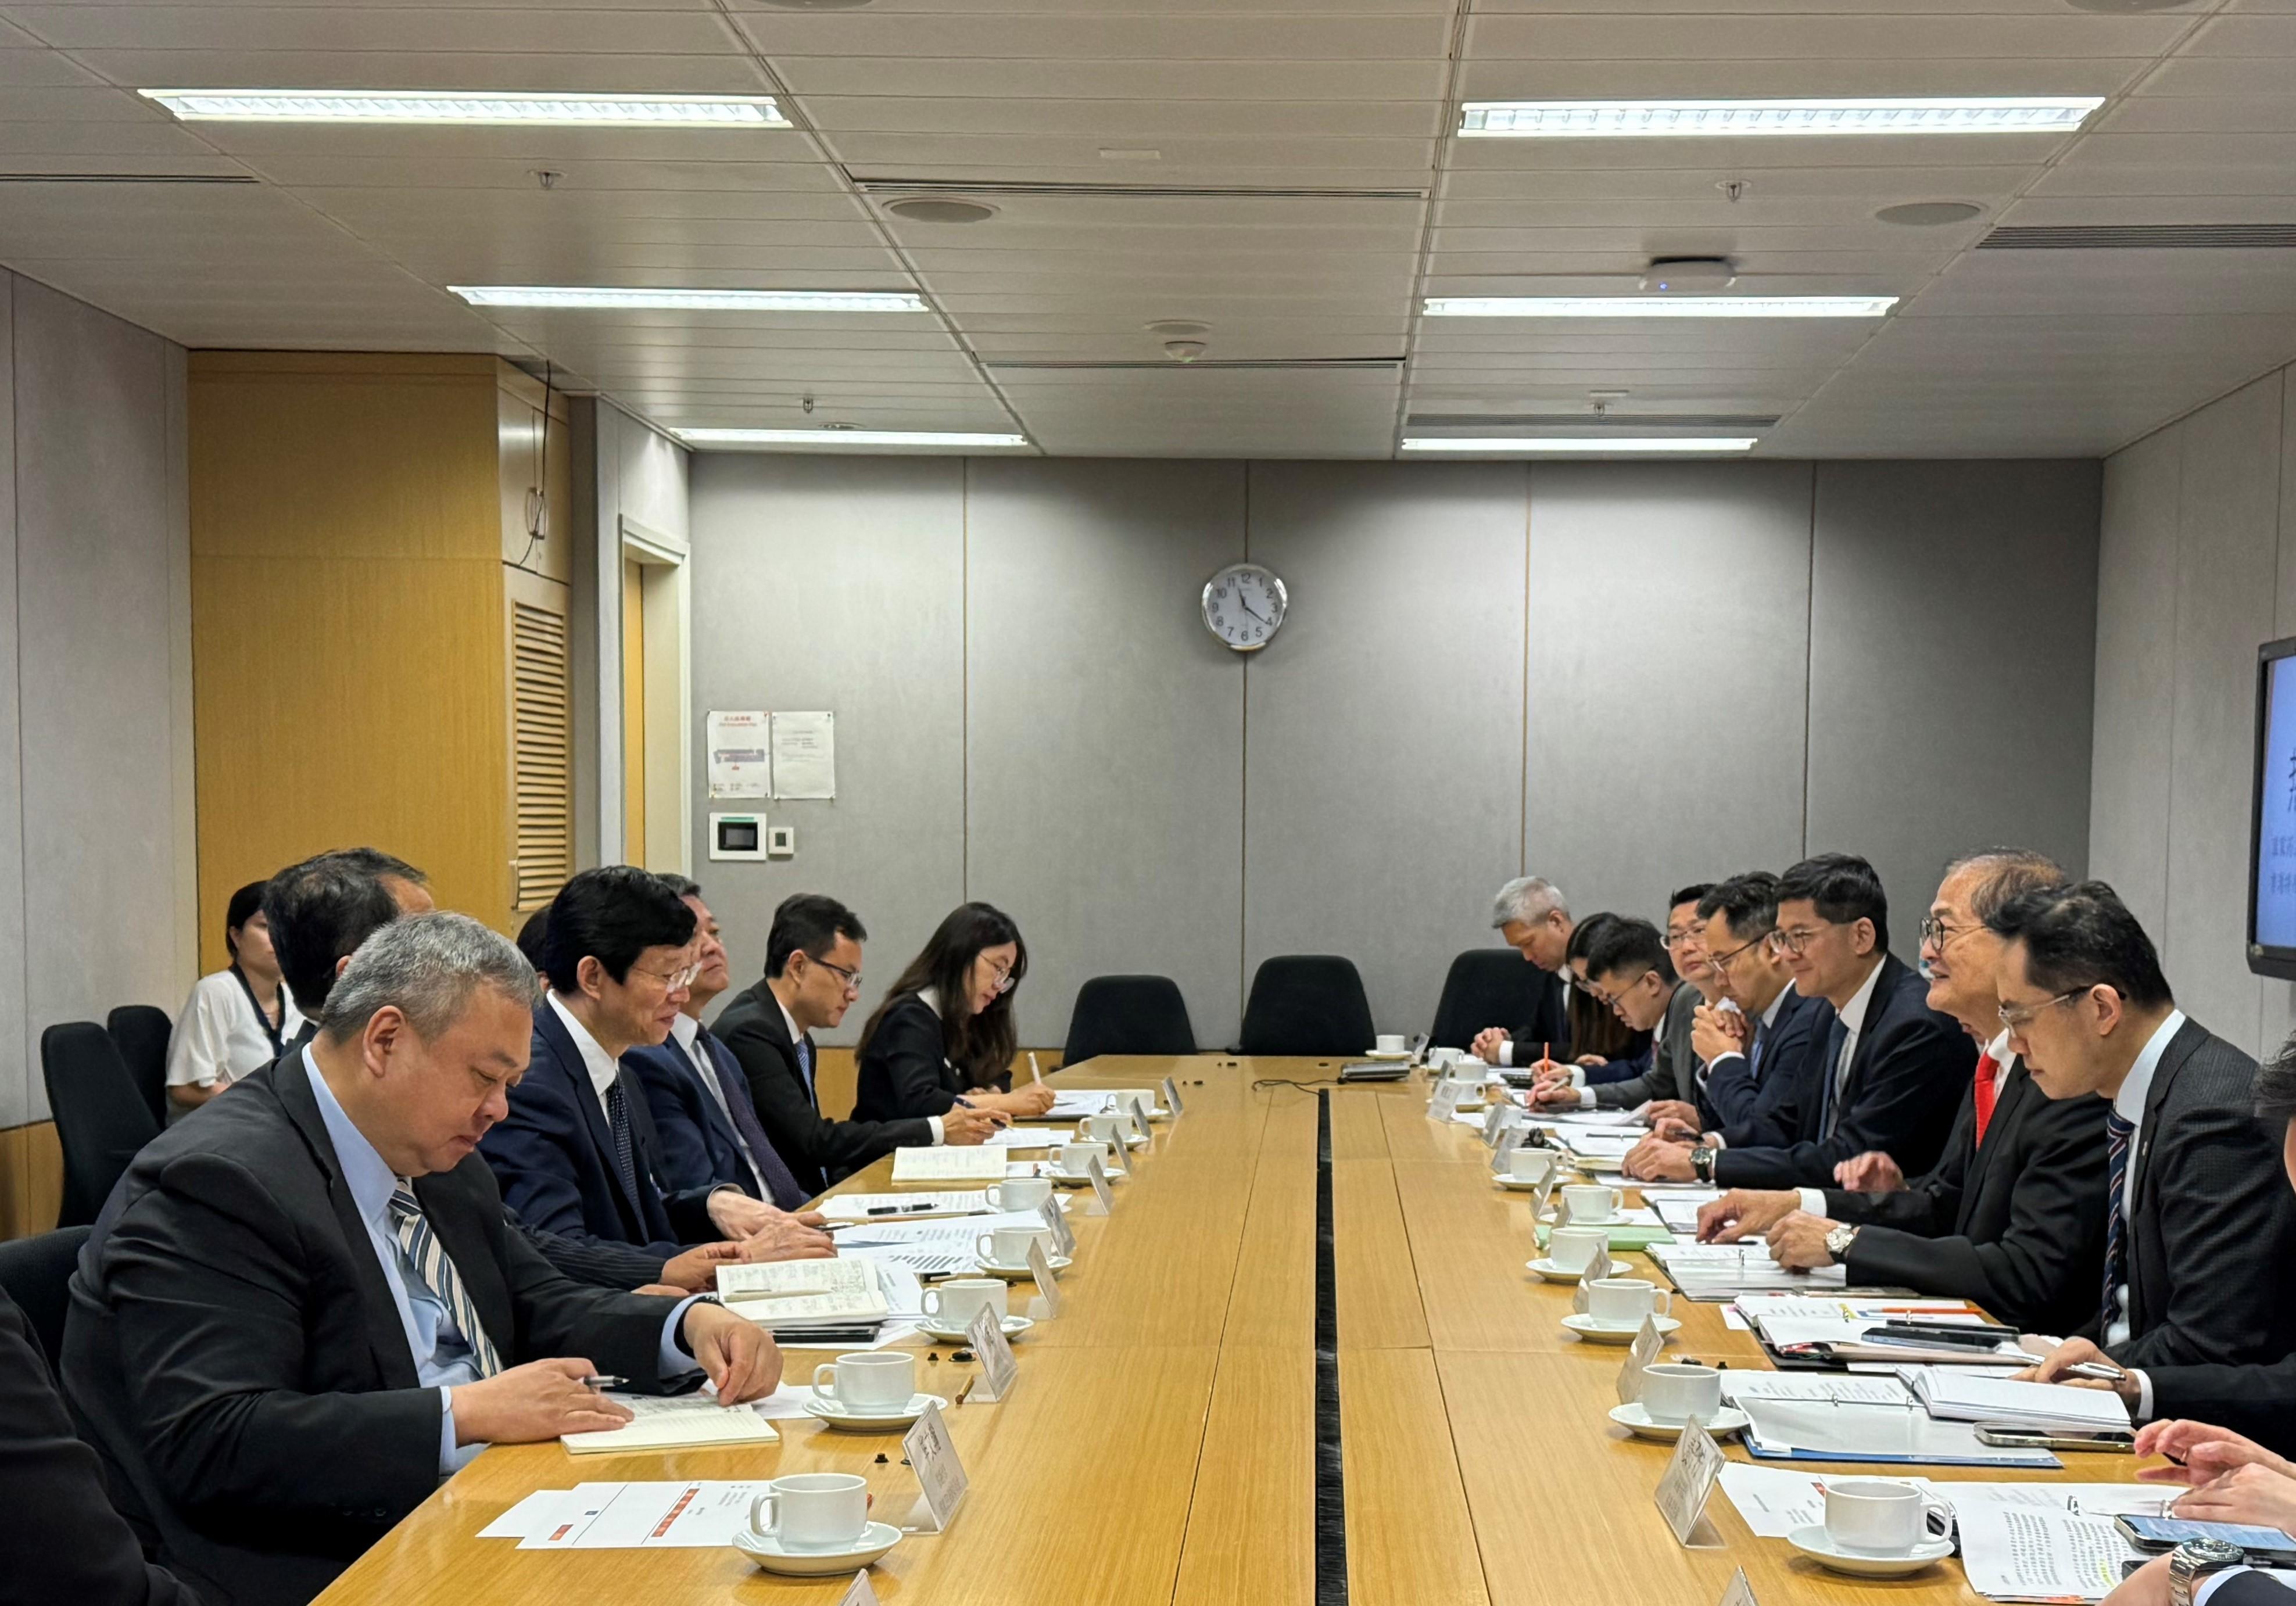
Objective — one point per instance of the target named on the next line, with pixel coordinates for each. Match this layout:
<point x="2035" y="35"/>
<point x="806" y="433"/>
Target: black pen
<point x="898" y="1209"/>
<point x="604" y="1381"/>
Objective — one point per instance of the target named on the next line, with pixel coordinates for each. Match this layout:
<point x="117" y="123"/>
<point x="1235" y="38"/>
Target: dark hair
<point x="612" y="914"/>
<point x="2274" y="1087"/>
<point x="1693" y="893"/>
<point x="245" y="904"/>
<point x="2007" y="873"/>
<point x="2083" y="936"/>
<point x="1748" y="904"/>
<point x="684" y="885"/>
<point x="808" y="923"/>
<point x="320" y="910"/>
<point x="981" y="1046"/>
<point x="1586" y="934"/>
<point x="1843" y="889"/>
<point x="530" y="936"/>
<point x="1627" y="944"/>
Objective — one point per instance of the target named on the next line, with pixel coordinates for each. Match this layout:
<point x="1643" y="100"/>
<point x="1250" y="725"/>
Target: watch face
<point x="1244" y="606"/>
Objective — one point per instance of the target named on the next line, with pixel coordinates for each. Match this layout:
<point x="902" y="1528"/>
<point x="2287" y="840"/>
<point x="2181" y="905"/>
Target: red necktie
<point x="1987" y="1070"/>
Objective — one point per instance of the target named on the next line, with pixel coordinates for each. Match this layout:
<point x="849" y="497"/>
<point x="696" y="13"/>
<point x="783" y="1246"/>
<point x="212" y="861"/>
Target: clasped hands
<point x="2227" y="1478"/>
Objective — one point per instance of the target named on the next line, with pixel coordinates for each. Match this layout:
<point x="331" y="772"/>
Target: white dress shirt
<point x="219" y="1037"/>
<point x="1852" y="1015"/>
<point x="2128" y="1104"/>
<point x="601" y="1065"/>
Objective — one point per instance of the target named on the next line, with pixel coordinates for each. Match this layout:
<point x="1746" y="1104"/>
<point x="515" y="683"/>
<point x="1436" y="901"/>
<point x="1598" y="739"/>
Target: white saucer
<point x="1545" y="1267"/>
<point x="1588" y="1329"/>
<point x="1014" y="1326"/>
<point x="1591" y="1221"/>
<point x="1813" y="1543"/>
<point x="1013" y="1274"/>
<point x="1515" y="1184"/>
<point x="836" y="1416"/>
<point x="769" y="1553"/>
<point x="1062" y="1179"/>
<point x="1137" y="1140"/>
<point x="1399" y="1053"/>
<point x="1636" y="1420"/>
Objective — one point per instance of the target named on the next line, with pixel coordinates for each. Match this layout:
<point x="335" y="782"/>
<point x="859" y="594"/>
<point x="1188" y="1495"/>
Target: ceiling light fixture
<point x="1929" y="214"/>
<point x="940" y="209"/>
<point x="850" y="437"/>
<point x="1659" y="306"/>
<point x="1547" y="446"/>
<point x="691" y="300"/>
<point x="1673" y="119"/>
<point x="419" y="106"/>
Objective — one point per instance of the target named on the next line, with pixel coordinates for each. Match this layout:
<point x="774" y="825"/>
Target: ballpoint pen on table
<point x="603" y="1380"/>
<point x="915" y="1209"/>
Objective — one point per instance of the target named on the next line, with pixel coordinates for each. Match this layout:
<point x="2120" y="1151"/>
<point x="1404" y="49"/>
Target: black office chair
<point x="1487" y="986"/>
<point x="1128" y="1015"/>
<point x="36" y="1273"/>
<point x="1306" y="1003"/>
<point x="100" y="1117"/>
<point x="140" y="1032"/>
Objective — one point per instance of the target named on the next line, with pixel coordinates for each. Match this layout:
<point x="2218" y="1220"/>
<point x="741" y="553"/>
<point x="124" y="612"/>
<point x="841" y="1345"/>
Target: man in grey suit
<point x="1628" y="968"/>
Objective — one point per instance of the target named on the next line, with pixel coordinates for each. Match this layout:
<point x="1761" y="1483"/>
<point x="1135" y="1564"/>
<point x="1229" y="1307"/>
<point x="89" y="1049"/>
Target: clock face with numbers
<point x="1244" y="606"/>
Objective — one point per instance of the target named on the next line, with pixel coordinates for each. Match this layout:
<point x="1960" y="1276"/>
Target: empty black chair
<point x="1128" y="1015"/>
<point x="101" y="1119"/>
<point x="1306" y="1003"/>
<point x="36" y="1273"/>
<point x="1487" y="986"/>
<point x="140" y="1032"/>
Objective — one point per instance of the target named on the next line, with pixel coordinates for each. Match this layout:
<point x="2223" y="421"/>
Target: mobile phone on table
<point x="2269" y="1545"/>
<point x="2120" y="1439"/>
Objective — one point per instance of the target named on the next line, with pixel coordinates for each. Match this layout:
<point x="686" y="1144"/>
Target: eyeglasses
<point x="1936" y="934"/>
<point x="851" y="978"/>
<point x="1005" y="981"/>
<point x="1794" y="941"/>
<point x="1721" y="962"/>
<point x="1681" y="939"/>
<point x="672" y="980"/>
<point x="2016" y="1017"/>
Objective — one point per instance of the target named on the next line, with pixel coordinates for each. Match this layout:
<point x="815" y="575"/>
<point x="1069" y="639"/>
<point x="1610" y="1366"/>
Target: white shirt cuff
<point x="1813" y="1200"/>
<point x="1727" y="1054"/>
<point x="1577" y="1076"/>
<point x="933" y="1122"/>
<point x="1506" y="1053"/>
<point x="2145" y="1401"/>
<point x="673" y="1360"/>
<point x="452" y="1457"/>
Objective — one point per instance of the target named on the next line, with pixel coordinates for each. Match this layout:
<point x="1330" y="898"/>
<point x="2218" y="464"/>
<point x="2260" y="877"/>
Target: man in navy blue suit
<point x="700" y="1099"/>
<point x="579" y="1155"/>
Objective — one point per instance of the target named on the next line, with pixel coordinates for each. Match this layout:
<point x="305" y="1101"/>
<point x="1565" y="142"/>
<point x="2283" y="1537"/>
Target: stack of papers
<point x="1836" y="1331"/>
<point x="1679" y="1211"/>
<point x="1716" y="1272"/>
<point x="629" y="1516"/>
<point x="1960" y="1396"/>
<point x="1775" y="1501"/>
<point x="790" y="1295"/>
<point x="929" y="1247"/>
<point x="675" y="1423"/>
<point x="972" y="1163"/>
<point x="899" y="1207"/>
<point x="1838" y="1429"/>
<point x="2014" y="1553"/>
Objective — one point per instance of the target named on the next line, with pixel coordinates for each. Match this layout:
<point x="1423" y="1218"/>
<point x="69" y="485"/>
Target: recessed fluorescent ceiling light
<point x="846" y="438"/>
<point x="1572" y="444"/>
<point x="692" y="300"/>
<point x="415" y="106"/>
<point x="1633" y="120"/>
<point x="1659" y="306"/>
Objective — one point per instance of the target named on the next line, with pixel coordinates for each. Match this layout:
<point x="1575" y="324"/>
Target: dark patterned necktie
<point x="436" y="1269"/>
<point x="2117" y="1134"/>
<point x="779" y="1182"/>
<point x="805" y="1069"/>
<point x="617" y="1120"/>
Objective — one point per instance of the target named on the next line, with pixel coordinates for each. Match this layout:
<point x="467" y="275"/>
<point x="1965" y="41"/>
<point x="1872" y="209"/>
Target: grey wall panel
<point x="2279" y="1006"/>
<point x="2136" y="681"/>
<point x="838" y="584"/>
<point x="17" y="1076"/>
<point x="1668" y="660"/>
<point x="95" y="618"/>
<point x="1384" y="730"/>
<point x="1952" y="647"/>
<point x="2227" y="552"/>
<point x="1105" y="728"/>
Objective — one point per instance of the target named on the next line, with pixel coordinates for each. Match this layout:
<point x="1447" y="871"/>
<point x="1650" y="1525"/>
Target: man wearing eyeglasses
<point x="577" y="1154"/>
<point x="2199" y="1220"/>
<point x="1631" y="971"/>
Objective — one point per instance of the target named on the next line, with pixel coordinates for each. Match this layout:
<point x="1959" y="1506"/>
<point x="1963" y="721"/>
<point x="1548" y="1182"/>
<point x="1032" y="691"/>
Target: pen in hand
<point x="603" y="1380"/>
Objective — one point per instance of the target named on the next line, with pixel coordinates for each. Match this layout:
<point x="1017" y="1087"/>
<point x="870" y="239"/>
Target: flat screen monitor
<point x="2272" y="863"/>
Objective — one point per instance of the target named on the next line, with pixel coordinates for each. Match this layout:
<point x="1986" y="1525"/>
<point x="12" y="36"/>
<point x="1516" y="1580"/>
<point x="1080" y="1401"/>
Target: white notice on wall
<point x="737" y="753"/>
<point x="804" y="755"/>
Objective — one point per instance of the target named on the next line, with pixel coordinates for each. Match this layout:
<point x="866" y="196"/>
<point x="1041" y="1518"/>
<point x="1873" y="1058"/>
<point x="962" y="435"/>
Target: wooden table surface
<point x="1159" y="1444"/>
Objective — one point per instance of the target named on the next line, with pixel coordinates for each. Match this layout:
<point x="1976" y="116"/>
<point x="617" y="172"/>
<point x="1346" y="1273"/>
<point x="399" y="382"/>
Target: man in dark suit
<point x="2012" y="1215"/>
<point x="1533" y="915"/>
<point x="1628" y="970"/>
<point x="578" y="1155"/>
<point x="305" y="1307"/>
<point x="813" y="975"/>
<point x="63" y="1541"/>
<point x="1888" y="1073"/>
<point x="2197" y="1213"/>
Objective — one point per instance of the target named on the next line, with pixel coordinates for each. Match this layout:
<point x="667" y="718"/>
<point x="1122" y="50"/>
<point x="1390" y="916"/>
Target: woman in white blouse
<point x="239" y="1020"/>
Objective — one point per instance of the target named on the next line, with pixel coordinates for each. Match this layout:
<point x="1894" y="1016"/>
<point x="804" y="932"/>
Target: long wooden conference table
<point x="1161" y="1443"/>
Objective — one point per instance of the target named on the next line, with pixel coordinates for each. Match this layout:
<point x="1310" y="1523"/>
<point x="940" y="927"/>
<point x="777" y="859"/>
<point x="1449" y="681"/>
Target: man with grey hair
<point x="304" y="1310"/>
<point x="1533" y="915"/>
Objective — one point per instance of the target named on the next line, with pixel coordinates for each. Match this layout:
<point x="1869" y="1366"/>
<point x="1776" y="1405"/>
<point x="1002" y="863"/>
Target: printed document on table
<point x="1814" y="1385"/>
<point x="535" y="1514"/>
<point x="902" y="1206"/>
<point x="672" y="1423"/>
<point x="2078" y="1499"/>
<point x="1725" y="1271"/>
<point x="2018" y="1553"/>
<point x="1679" y="1211"/>
<point x="1773" y="1501"/>
<point x="804" y="755"/>
<point x="1028" y="1137"/>
<point x="645" y="1516"/>
<point x="786" y="1293"/>
<point x="973" y="1163"/>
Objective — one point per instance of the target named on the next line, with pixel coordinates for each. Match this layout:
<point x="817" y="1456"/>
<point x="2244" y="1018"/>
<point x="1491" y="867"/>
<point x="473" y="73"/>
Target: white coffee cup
<point x="1575" y="1248"/>
<point x="1532" y="1166"/>
<point x="1589" y="1201"/>
<point x="1681" y="1392"/>
<point x="1009" y="1246"/>
<point x="1074" y="1156"/>
<point x="1019" y="1193"/>
<point x="1143" y="1105"/>
<point x="869" y="1380"/>
<point x="1389" y="1043"/>
<point x="1621" y="1301"/>
<point x="1112" y="1127"/>
<point x="812" y="1511"/>
<point x="955" y="1303"/>
<point x="1881" y="1516"/>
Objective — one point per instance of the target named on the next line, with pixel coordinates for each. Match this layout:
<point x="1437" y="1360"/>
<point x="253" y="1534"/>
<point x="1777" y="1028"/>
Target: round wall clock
<point x="1244" y="606"/>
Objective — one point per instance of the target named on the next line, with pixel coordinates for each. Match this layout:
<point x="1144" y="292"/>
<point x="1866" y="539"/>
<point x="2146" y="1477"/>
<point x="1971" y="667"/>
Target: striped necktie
<point x="431" y="1264"/>
<point x="2117" y="1134"/>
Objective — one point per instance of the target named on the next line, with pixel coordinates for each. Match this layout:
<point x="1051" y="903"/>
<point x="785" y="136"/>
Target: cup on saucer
<point x="1530" y="1166"/>
<point x="1074" y="1159"/>
<point x="1019" y="1193"/>
<point x="1578" y="1248"/>
<point x="813" y="1511"/>
<point x="1009" y="1246"/>
<point x="1112" y="1128"/>
<point x="1622" y="1302"/>
<point x="951" y="1305"/>
<point x="1883" y="1517"/>
<point x="868" y="1382"/>
<point x="1675" y="1392"/>
<point x="1586" y="1202"/>
<point x="1390" y="1043"/>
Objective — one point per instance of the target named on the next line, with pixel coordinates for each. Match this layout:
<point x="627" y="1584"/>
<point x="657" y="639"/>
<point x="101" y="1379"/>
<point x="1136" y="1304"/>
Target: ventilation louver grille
<point x="2144" y="237"/>
<point x="541" y="755"/>
<point x="1592" y="421"/>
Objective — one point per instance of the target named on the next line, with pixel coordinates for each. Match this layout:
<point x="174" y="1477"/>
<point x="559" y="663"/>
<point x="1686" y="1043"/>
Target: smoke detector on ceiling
<point x="1690" y="275"/>
<point x="939" y="209"/>
<point x="1184" y="351"/>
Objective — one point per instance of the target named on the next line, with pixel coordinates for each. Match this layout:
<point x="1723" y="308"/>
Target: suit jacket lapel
<point x="2012" y="1088"/>
<point x="575" y="1069"/>
<point x="463" y="1238"/>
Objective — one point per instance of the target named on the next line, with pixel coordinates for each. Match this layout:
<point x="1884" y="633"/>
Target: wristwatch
<point x="1838" y="1241"/>
<point x="2196" y="1559"/>
<point x="1702" y="1161"/>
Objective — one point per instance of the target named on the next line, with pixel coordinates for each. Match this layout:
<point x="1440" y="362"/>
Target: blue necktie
<point x="779" y="1183"/>
<point x="2117" y="1134"/>
<point x="805" y="1069"/>
<point x="431" y="1263"/>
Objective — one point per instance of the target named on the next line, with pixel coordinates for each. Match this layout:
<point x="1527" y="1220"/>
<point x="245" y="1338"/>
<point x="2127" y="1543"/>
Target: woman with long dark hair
<point x="944" y="1034"/>
<point x="238" y="1020"/>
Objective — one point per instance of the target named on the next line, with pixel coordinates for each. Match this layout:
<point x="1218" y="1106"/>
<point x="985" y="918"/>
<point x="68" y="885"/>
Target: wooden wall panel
<point x="31" y="1179"/>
